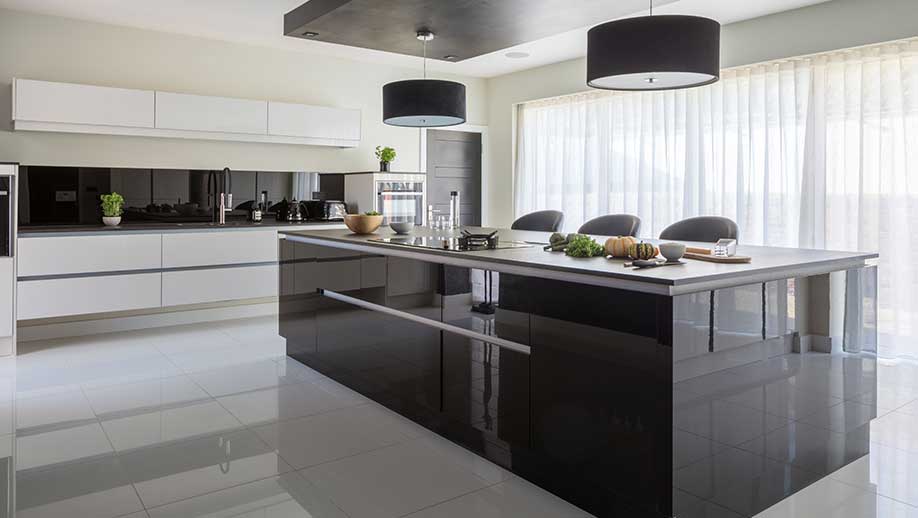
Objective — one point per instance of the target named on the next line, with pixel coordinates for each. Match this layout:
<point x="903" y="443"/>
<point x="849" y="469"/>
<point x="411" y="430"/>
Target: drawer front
<point x="84" y="295"/>
<point x="219" y="284"/>
<point x="219" y="248"/>
<point x="62" y="255"/>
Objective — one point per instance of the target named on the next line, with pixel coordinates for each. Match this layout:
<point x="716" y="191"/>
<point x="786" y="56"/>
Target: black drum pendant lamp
<point x="653" y="53"/>
<point x="424" y="103"/>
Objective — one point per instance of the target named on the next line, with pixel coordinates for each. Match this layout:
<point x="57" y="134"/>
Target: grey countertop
<point x="165" y="228"/>
<point x="768" y="263"/>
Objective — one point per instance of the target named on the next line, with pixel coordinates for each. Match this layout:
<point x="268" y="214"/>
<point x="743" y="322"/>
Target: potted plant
<point x="385" y="155"/>
<point x="112" y="208"/>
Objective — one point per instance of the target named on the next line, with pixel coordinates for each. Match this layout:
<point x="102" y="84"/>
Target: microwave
<point x="397" y="196"/>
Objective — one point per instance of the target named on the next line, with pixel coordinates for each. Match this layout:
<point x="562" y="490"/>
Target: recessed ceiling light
<point x="310" y="34"/>
<point x="517" y="55"/>
<point x="449" y="57"/>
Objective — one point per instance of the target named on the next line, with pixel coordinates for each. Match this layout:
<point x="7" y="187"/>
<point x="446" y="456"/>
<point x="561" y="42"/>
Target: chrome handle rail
<point x="500" y="342"/>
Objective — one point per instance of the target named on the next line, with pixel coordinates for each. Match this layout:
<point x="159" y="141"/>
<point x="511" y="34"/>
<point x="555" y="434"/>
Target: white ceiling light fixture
<point x="517" y="55"/>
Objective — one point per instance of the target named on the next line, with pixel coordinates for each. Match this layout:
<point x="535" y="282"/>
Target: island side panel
<point x="754" y="419"/>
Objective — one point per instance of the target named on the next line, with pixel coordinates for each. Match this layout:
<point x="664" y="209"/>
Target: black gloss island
<point x="678" y="391"/>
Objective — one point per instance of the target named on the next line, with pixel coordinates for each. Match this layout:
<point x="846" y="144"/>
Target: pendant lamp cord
<point x="421" y="130"/>
<point x="651" y="7"/>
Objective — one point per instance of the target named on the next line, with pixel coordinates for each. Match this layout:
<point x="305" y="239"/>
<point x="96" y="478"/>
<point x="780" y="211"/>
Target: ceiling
<point x="464" y="30"/>
<point x="261" y="22"/>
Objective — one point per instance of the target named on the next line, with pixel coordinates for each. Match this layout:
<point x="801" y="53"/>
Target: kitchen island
<point x="684" y="390"/>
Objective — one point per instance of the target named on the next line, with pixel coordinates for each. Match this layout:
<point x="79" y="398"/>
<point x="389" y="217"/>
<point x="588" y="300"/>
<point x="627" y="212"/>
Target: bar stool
<point x="706" y="229"/>
<point x="541" y="221"/>
<point x="612" y="225"/>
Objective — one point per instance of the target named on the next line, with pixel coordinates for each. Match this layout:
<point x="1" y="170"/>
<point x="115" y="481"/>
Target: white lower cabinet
<point x="219" y="284"/>
<point x="84" y="295"/>
<point x="64" y="255"/>
<point x="219" y="248"/>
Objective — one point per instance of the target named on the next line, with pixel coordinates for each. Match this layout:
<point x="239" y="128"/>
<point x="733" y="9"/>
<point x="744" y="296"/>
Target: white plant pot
<point x="111" y="221"/>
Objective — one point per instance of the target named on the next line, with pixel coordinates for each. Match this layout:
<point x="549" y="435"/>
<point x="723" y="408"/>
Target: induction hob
<point x="450" y="243"/>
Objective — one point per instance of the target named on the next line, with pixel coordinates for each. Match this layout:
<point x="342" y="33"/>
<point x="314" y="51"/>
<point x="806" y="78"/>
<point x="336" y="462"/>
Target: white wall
<point x="59" y="49"/>
<point x="822" y="27"/>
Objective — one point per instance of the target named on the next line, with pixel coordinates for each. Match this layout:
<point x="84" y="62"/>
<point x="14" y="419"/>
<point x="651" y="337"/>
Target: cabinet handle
<point x="500" y="342"/>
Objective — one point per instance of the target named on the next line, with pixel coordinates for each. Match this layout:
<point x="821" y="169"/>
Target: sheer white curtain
<point x="819" y="151"/>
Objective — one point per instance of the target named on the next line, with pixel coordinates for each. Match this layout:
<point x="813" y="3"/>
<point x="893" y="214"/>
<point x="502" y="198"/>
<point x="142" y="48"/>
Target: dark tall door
<point x="454" y="164"/>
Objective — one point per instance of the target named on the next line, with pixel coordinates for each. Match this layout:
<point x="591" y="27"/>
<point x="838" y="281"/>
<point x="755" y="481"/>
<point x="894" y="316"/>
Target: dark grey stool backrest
<point x="612" y="225"/>
<point x="541" y="221"/>
<point x="705" y="229"/>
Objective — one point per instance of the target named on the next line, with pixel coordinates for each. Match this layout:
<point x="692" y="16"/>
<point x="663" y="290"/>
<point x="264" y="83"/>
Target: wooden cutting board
<point x="734" y="259"/>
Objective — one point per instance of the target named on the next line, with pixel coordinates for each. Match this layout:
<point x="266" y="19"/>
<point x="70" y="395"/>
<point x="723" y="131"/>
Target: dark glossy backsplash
<point x="52" y="196"/>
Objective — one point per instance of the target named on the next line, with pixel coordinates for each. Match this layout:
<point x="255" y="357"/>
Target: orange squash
<point x="618" y="246"/>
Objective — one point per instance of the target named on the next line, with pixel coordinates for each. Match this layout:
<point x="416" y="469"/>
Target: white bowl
<point x="402" y="227"/>
<point x="672" y="251"/>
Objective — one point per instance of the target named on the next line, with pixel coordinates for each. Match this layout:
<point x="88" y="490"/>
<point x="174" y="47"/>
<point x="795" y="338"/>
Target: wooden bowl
<point x="362" y="224"/>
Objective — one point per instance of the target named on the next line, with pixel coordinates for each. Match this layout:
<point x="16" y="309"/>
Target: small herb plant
<point x="385" y="154"/>
<point x="112" y="205"/>
<point x="371" y="213"/>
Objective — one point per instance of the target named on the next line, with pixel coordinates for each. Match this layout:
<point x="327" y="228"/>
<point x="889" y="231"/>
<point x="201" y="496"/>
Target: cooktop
<point x="448" y="243"/>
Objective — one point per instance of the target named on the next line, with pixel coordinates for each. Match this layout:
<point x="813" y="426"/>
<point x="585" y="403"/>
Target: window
<point x="819" y="152"/>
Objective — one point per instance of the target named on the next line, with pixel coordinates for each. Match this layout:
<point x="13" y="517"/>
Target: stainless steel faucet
<point x="226" y="196"/>
<point x="226" y="205"/>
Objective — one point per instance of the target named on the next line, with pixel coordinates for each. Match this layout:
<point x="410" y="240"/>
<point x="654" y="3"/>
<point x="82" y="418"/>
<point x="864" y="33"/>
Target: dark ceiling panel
<point x="464" y="28"/>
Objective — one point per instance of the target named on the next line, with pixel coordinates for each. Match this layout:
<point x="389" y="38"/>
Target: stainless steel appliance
<point x="325" y="210"/>
<point x="8" y="212"/>
<point x="397" y="196"/>
<point x="463" y="243"/>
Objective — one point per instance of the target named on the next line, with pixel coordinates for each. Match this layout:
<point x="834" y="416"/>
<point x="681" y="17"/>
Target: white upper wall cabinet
<point x="214" y="114"/>
<point x="43" y="101"/>
<point x="73" y="108"/>
<point x="301" y="120"/>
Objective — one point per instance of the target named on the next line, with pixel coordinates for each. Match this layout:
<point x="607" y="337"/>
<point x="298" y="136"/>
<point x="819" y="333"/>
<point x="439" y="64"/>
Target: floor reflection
<point x="214" y="420"/>
<point x="140" y="425"/>
<point x="751" y="435"/>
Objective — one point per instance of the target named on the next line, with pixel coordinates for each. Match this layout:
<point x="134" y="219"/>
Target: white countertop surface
<point x="768" y="263"/>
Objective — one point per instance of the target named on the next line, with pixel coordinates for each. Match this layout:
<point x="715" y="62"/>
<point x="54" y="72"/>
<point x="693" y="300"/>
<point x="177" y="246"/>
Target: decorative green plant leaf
<point x="112" y="204"/>
<point x="580" y="245"/>
<point x="385" y="154"/>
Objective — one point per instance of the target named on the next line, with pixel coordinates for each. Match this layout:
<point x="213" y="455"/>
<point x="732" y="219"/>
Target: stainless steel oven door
<point x="400" y="201"/>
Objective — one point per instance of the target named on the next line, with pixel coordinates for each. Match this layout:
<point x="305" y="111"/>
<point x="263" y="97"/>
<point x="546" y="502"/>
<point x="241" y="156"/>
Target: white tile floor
<point x="213" y="420"/>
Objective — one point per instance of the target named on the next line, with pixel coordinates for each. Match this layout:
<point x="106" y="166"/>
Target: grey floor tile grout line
<point x="253" y="426"/>
<point x="868" y="491"/>
<point x="115" y="453"/>
<point x="486" y="488"/>
<point x="349" y="456"/>
<point x="227" y="488"/>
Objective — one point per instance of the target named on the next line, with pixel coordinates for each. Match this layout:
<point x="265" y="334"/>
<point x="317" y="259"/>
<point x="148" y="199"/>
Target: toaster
<point x="325" y="210"/>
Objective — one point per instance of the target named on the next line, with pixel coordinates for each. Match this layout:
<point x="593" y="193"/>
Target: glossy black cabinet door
<point x="388" y="358"/>
<point x="486" y="397"/>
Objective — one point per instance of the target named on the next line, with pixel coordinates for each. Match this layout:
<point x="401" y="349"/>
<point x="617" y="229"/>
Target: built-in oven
<point x="400" y="201"/>
<point x="398" y="197"/>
